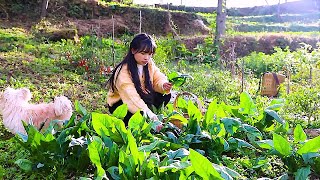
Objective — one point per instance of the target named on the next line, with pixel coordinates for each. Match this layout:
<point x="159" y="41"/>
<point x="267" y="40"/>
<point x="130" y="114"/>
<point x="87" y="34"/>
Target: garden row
<point x="226" y="142"/>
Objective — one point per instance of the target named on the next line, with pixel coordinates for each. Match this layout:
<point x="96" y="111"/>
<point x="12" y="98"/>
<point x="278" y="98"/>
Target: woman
<point x="137" y="82"/>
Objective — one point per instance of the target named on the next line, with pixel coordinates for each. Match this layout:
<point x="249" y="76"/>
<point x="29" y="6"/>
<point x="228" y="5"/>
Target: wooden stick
<point x="140" y="27"/>
<point x="113" y="52"/>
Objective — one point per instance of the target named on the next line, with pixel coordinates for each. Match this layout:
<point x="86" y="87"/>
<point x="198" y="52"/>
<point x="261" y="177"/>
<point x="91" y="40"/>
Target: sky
<point x="213" y="3"/>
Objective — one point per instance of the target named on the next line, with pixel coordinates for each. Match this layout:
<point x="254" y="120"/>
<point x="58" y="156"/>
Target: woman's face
<point x="142" y="57"/>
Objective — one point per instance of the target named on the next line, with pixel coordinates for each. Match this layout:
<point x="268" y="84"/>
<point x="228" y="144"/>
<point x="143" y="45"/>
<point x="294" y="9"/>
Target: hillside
<point x="295" y="7"/>
<point x="66" y="19"/>
<point x="87" y="16"/>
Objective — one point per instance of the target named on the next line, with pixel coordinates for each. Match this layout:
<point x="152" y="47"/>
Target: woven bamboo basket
<point x="177" y="122"/>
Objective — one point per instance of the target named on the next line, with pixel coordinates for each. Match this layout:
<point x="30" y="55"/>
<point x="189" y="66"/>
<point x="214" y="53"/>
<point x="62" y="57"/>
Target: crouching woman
<point x="137" y="81"/>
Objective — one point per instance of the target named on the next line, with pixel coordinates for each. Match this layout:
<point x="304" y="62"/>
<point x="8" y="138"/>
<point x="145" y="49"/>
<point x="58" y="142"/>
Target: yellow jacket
<point x="126" y="91"/>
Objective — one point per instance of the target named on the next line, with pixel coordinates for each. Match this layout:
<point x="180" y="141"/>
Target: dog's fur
<point x="14" y="107"/>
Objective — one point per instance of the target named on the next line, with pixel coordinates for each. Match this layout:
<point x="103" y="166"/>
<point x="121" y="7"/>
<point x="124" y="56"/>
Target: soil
<point x="312" y="133"/>
<point x="89" y="17"/>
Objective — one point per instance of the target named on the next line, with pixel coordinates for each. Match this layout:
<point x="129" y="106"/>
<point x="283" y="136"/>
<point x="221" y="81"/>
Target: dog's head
<point x="13" y="96"/>
<point x="63" y="107"/>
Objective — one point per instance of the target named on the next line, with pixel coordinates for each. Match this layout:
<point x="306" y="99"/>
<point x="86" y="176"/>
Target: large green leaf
<point x="95" y="148"/>
<point x="231" y="124"/>
<point x="24" y="164"/>
<point x="71" y="122"/>
<point x="247" y="105"/>
<point x="221" y="130"/>
<point x="49" y="142"/>
<point x="302" y="173"/>
<point x="202" y="166"/>
<point x="127" y="166"/>
<point x="251" y="130"/>
<point x="265" y="144"/>
<point x="157" y="143"/>
<point x="133" y="149"/>
<point x="135" y="122"/>
<point x="179" y="117"/>
<point x="221" y="113"/>
<point x="226" y="173"/>
<point x="276" y="104"/>
<point x="186" y="172"/>
<point x="109" y="126"/>
<point x="79" y="108"/>
<point x="149" y="147"/>
<point x="193" y="111"/>
<point x="121" y="111"/>
<point x="312" y="145"/>
<point x="34" y="137"/>
<point x="148" y="168"/>
<point x="113" y="155"/>
<point x="101" y="122"/>
<point x="210" y="113"/>
<point x="281" y="145"/>
<point x="63" y="136"/>
<point x="308" y="157"/>
<point x="174" y="167"/>
<point x="178" y="154"/>
<point x="299" y="134"/>
<point x="114" y="172"/>
<point x="178" y="79"/>
<point x="119" y="130"/>
<point x="240" y="143"/>
<point x="275" y="115"/>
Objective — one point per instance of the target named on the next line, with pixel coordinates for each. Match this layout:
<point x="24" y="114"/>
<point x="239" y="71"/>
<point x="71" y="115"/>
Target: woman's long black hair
<point x="140" y="43"/>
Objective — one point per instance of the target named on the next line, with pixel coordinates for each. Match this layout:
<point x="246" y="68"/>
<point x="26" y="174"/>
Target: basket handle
<point x="175" y="102"/>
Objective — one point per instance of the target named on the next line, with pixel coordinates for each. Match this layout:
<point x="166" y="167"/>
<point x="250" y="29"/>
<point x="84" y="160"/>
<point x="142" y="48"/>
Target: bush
<point x="303" y="105"/>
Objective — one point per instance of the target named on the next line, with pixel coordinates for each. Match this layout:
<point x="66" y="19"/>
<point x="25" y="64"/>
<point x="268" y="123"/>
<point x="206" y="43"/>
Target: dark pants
<point x="159" y="100"/>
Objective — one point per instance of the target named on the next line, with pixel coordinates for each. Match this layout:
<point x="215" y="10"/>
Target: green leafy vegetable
<point x="178" y="79"/>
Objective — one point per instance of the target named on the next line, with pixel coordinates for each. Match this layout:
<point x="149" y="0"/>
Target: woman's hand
<point x="159" y="127"/>
<point x="151" y="115"/>
<point x="167" y="86"/>
<point x="158" y="124"/>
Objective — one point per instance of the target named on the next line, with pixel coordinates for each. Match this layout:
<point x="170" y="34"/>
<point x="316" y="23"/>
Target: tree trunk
<point x="278" y="10"/>
<point x="220" y="23"/>
<point x="44" y="8"/>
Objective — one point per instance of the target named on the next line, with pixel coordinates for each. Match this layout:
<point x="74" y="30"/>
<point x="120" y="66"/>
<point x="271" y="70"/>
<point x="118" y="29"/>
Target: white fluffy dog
<point x="14" y="107"/>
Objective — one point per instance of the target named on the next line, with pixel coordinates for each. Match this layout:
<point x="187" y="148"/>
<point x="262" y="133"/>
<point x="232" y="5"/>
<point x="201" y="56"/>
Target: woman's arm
<point x="130" y="96"/>
<point x="160" y="80"/>
<point x="128" y="92"/>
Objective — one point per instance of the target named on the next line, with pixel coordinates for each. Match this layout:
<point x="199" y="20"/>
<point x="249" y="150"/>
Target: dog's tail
<point x="62" y="107"/>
